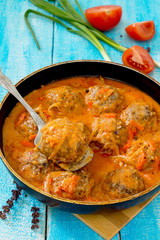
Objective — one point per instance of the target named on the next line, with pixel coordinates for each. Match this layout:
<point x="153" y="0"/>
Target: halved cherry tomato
<point x="138" y="58"/>
<point x="104" y="17"/>
<point x="141" y="31"/>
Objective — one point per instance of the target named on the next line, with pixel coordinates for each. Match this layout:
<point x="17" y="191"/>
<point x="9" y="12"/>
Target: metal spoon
<point x="6" y="83"/>
<point x="84" y="160"/>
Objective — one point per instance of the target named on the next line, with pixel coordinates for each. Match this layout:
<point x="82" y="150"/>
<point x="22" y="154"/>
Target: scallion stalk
<point x="80" y="9"/>
<point x="83" y="31"/>
<point x="73" y="16"/>
<point x="29" y="26"/>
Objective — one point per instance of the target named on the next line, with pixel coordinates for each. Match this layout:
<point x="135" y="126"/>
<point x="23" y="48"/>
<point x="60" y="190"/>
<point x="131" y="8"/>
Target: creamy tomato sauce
<point x="117" y="122"/>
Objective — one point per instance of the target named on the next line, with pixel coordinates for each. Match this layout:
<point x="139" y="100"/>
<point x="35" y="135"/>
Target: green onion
<point x="80" y="9"/>
<point x="157" y="64"/>
<point x="69" y="14"/>
<point x="83" y="31"/>
<point x="101" y="36"/>
<point x="29" y="26"/>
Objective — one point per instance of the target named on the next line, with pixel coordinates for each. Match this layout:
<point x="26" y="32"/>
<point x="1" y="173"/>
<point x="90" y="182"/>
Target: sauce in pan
<point x="114" y="125"/>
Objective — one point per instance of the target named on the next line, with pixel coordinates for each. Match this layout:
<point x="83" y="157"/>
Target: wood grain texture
<point x="19" y="57"/>
<point x="146" y="225"/>
<point x="65" y="226"/>
<point x="108" y="222"/>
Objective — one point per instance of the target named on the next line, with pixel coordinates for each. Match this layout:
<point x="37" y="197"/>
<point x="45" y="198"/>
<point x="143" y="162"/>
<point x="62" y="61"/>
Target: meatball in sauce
<point x="122" y="183"/>
<point x="69" y="184"/>
<point x="65" y="99"/>
<point x="140" y="115"/>
<point x="103" y="98"/>
<point x="143" y="155"/>
<point x="64" y="141"/>
<point x="111" y="133"/>
<point x="26" y="125"/>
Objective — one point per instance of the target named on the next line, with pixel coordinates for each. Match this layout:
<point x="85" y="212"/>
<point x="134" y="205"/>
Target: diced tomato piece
<point x="141" y="31"/>
<point x="138" y="58"/>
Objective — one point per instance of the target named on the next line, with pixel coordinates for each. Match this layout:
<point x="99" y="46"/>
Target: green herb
<point x="80" y="9"/>
<point x="83" y="31"/>
<point x="69" y="14"/>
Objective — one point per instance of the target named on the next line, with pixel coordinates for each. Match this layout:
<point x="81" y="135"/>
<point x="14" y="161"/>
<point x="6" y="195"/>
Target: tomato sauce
<point x="103" y="162"/>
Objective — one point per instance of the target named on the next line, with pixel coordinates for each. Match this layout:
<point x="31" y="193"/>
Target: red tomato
<point x="104" y="17"/>
<point x="141" y="31"/>
<point x="138" y="58"/>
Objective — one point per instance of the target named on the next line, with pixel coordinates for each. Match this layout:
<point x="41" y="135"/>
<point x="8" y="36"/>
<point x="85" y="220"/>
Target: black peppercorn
<point x="6" y="209"/>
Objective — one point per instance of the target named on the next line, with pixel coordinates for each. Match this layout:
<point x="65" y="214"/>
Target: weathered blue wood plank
<point x="19" y="57"/>
<point x="146" y="225"/>
<point x="65" y="226"/>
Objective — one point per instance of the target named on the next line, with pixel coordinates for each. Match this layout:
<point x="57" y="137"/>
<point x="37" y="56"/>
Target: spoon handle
<point x="6" y="83"/>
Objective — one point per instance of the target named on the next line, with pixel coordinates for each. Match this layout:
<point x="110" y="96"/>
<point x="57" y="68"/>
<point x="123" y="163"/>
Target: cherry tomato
<point x="138" y="58"/>
<point x="104" y="17"/>
<point x="141" y="31"/>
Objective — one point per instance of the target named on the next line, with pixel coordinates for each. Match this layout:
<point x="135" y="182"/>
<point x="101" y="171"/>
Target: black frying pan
<point x="71" y="69"/>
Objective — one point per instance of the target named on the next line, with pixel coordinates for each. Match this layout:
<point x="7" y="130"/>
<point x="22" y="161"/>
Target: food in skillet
<point x="25" y="125"/>
<point x="65" y="143"/>
<point x="103" y="98"/>
<point x="68" y="184"/>
<point x="34" y="163"/>
<point x="139" y="114"/>
<point x="111" y="133"/>
<point x="65" y="99"/>
<point x="122" y="183"/>
<point x="111" y="127"/>
<point x="143" y="155"/>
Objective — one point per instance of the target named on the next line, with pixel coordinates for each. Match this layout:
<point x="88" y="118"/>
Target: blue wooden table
<point x="19" y="57"/>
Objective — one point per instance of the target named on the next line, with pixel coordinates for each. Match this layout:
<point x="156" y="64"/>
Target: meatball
<point x="142" y="155"/>
<point x="65" y="99"/>
<point x="64" y="141"/>
<point x="33" y="164"/>
<point x="69" y="185"/>
<point x="103" y="98"/>
<point x="139" y="114"/>
<point x="122" y="183"/>
<point x="26" y="125"/>
<point x="110" y="133"/>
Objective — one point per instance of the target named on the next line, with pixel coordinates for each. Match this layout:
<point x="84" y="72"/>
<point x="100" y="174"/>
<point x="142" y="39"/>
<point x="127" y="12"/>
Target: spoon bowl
<point x="86" y="158"/>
